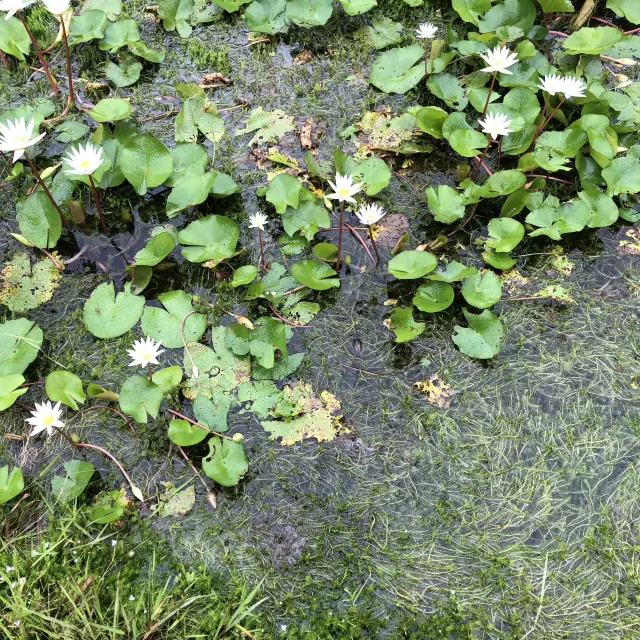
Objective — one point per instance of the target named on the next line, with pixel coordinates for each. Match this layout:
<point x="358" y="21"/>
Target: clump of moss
<point x="207" y="58"/>
<point x="40" y="23"/>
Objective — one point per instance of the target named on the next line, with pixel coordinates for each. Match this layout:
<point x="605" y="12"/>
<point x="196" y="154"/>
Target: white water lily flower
<point x="552" y="84"/>
<point x="426" y="31"/>
<point x="496" y="124"/>
<point x="257" y="221"/>
<point x="573" y="87"/>
<point x="145" y="352"/>
<point x="16" y="136"/>
<point x="45" y="417"/>
<point x="84" y="161"/>
<point x="13" y="6"/>
<point x="344" y="189"/>
<point x="56" y="7"/>
<point x="370" y="213"/>
<point x="499" y="60"/>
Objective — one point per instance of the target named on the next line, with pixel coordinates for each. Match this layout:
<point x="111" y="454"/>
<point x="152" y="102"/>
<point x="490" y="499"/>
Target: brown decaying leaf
<point x="438" y="392"/>
<point x="391" y="229"/>
<point x="212" y="80"/>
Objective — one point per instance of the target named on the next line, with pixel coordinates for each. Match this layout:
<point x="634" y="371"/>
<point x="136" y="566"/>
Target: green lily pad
<point x="71" y="486"/>
<point x="24" y="286"/>
<point x="212" y="238"/>
<point x="403" y="324"/>
<point x="164" y="324"/>
<point x="410" y="265"/>
<point x="314" y="274"/>
<point x="107" y="315"/>
<point x="65" y="387"/>
<point x="226" y="463"/>
<point x="185" y="434"/>
<point x="483" y="338"/>
<point x="20" y="342"/>
<point x="433" y="296"/>
<point x="11" y="484"/>
<point x="482" y="290"/>
<point x="140" y="397"/>
<point x="10" y="389"/>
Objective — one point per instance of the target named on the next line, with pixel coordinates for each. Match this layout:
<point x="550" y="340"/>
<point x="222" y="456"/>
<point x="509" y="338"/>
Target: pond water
<point x="526" y="481"/>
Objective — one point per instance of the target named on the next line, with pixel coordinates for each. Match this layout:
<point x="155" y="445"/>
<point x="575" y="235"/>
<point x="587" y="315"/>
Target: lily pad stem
<point x="339" y="254"/>
<point x="96" y="196"/>
<point x="47" y="192"/>
<point x="373" y="243"/>
<point x="43" y="62"/>
<point x="71" y="101"/>
<point x="486" y="104"/>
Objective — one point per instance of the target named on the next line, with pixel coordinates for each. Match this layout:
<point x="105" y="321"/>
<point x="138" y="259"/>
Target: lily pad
<point x="314" y="274"/>
<point x="24" y="286"/>
<point x="227" y="461"/>
<point x="433" y="296"/>
<point x="211" y="238"/>
<point x="108" y="315"/>
<point x="482" y="290"/>
<point x="398" y="70"/>
<point x="185" y="434"/>
<point x="11" y="484"/>
<point x="164" y="324"/>
<point x="66" y="387"/>
<point x="410" y="265"/>
<point x="139" y="397"/>
<point x="10" y="389"/>
<point x="483" y="338"/>
<point x="173" y="501"/>
<point x="20" y="342"/>
<point x="403" y="324"/>
<point x="71" y="486"/>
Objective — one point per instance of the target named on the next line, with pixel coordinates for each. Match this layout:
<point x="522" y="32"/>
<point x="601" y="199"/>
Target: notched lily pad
<point x="24" y="286"/>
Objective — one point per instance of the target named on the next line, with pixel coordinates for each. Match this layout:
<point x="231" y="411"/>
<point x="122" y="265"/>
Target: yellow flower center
<point x="147" y="355"/>
<point x="344" y="192"/>
<point x="85" y="163"/>
<point x="48" y="419"/>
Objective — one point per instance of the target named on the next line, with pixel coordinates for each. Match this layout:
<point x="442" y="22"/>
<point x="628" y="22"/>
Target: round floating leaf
<point x="603" y="210"/>
<point x="14" y="38"/>
<point x="89" y="25"/>
<point x="145" y="162"/>
<point x="227" y="461"/>
<point x="356" y="7"/>
<point x="39" y="220"/>
<point x="109" y="316"/>
<point x="314" y="274"/>
<point x="433" y="296"/>
<point x="448" y="88"/>
<point x="9" y="389"/>
<point x="266" y="16"/>
<point x="189" y="193"/>
<point x="453" y="272"/>
<point x="20" y="341"/>
<point x="502" y="261"/>
<point x="445" y="203"/>
<point x="430" y="120"/>
<point x="157" y="249"/>
<point x="110" y="110"/>
<point x="482" y="290"/>
<point x="168" y="378"/>
<point x="65" y="387"/>
<point x="185" y="434"/>
<point x="164" y="324"/>
<point x="483" y="338"/>
<point x="471" y="10"/>
<point x="210" y="238"/>
<point x="11" y="484"/>
<point x="124" y="74"/>
<point x="467" y="142"/>
<point x="506" y="182"/>
<point x="410" y="265"/>
<point x="326" y="251"/>
<point x="505" y="233"/>
<point x="284" y="191"/>
<point x="71" y="487"/>
<point x="244" y="275"/>
<point x="592" y="40"/>
<point x="139" y="397"/>
<point x="396" y="71"/>
<point x="309" y="13"/>
<point x="514" y="203"/>
<point x="108" y="507"/>
<point x="403" y="324"/>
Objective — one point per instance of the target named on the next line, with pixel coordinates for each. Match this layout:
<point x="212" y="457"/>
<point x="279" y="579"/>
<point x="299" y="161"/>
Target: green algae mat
<point x="319" y="319"/>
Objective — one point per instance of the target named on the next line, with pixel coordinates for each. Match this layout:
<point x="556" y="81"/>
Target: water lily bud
<point x="245" y="322"/>
<point x="238" y="437"/>
<point x="211" y="497"/>
<point x="75" y="438"/>
<point x="137" y="493"/>
<point x="627" y="62"/>
<point x="195" y="372"/>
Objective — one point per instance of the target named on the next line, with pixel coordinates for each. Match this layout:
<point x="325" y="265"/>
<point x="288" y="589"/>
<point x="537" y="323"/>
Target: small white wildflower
<point x="114" y="542"/>
<point x="132" y="597"/>
<point x="344" y="189"/>
<point x="426" y="31"/>
<point x="10" y="568"/>
<point x="145" y="352"/>
<point x="499" y="60"/>
<point x="257" y="221"/>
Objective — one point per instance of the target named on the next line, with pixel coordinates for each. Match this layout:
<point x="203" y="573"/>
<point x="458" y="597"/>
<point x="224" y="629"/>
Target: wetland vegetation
<point x="319" y="319"/>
